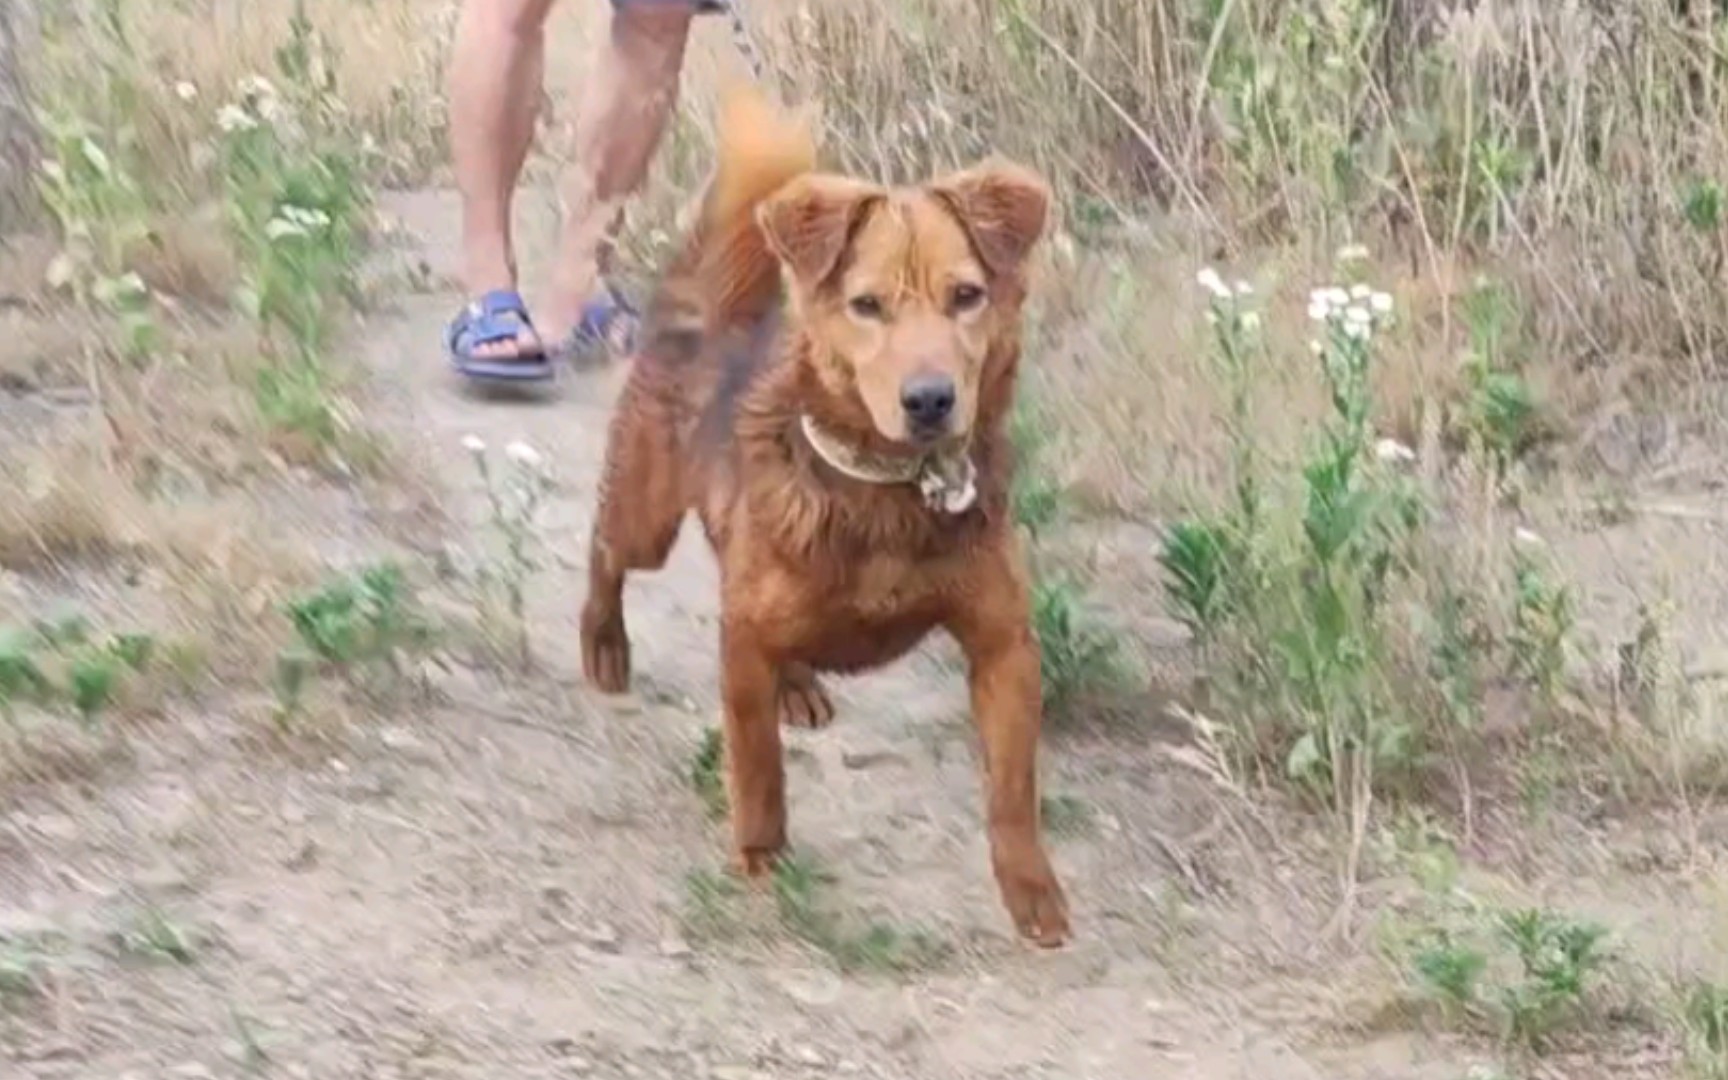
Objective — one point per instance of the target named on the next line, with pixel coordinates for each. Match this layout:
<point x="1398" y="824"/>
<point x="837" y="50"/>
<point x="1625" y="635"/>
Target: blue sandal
<point x="605" y="324"/>
<point x="499" y="315"/>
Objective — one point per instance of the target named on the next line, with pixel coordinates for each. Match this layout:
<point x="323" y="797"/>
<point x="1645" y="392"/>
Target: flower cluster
<point x="1357" y="312"/>
<point x="296" y="221"/>
<point x="519" y="452"/>
<point x="1226" y="298"/>
<point x="256" y="104"/>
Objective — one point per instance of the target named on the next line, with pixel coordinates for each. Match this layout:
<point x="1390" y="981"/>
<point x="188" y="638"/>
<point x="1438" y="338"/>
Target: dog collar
<point x="947" y="480"/>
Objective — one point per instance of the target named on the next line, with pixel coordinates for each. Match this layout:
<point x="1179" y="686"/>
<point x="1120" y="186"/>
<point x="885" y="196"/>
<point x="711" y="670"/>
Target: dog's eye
<point x="866" y="306"/>
<point x="966" y="297"/>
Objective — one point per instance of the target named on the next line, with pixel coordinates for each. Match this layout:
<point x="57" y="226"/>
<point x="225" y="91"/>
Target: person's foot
<point x="492" y="337"/>
<point x="604" y="325"/>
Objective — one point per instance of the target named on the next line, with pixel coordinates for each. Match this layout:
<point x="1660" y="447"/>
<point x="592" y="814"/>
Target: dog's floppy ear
<point x="1003" y="207"/>
<point x="808" y="222"/>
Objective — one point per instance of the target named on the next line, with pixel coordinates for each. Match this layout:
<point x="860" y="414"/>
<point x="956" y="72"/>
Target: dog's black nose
<point x="927" y="399"/>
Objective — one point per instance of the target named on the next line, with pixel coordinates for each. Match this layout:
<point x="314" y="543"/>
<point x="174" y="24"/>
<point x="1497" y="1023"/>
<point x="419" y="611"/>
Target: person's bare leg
<point x="496" y="66"/>
<point x="625" y="108"/>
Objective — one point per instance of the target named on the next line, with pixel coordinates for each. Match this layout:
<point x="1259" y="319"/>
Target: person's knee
<point x="524" y="20"/>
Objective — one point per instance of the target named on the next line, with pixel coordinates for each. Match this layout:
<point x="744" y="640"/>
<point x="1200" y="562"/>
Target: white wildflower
<point x="1212" y="283"/>
<point x="280" y="228"/>
<point x="232" y="118"/>
<point x="1357" y="330"/>
<point x="309" y="218"/>
<point x="524" y="455"/>
<point x="185" y="91"/>
<point x="291" y="220"/>
<point x="1318" y="309"/>
<point x="1250" y="320"/>
<point x="1381" y="303"/>
<point x="255" y="86"/>
<point x="1392" y="451"/>
<point x="1357" y="315"/>
<point x="1244" y="289"/>
<point x="474" y="444"/>
<point x="1360" y="292"/>
<point x="1316" y="347"/>
<point x="1336" y="297"/>
<point x="1352" y="253"/>
<point x="271" y="110"/>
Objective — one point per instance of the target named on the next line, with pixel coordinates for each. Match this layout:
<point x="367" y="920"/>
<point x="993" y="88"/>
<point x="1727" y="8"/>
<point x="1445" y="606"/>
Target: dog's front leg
<point x="756" y="774"/>
<point x="1007" y="704"/>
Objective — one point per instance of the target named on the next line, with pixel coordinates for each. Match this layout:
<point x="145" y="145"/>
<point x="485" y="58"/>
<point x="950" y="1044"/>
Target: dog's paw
<point x="756" y="862"/>
<point x="801" y="700"/>
<point x="1035" y="902"/>
<point x="605" y="651"/>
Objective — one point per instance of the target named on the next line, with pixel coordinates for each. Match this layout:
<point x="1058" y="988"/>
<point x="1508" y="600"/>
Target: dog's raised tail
<point x="762" y="147"/>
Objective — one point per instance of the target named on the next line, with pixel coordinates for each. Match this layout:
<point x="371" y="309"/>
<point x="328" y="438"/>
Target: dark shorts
<point x="700" y="7"/>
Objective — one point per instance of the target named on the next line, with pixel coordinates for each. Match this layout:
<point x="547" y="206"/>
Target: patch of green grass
<point x="1035" y="498"/>
<point x="23" y="966"/>
<point x="1704" y="1030"/>
<point x="707" y="772"/>
<point x="1067" y="815"/>
<point x="799" y="883"/>
<point x="60" y="663"/>
<point x="155" y="938"/>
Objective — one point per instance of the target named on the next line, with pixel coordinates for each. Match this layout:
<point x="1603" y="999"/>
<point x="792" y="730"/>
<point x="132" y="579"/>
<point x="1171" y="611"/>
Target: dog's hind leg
<point x="801" y="700"/>
<point x="640" y="508"/>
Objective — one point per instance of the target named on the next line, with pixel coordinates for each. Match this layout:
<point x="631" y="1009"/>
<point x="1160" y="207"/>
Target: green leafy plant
<point x="59" y="662"/>
<point x="1451" y="971"/>
<point x="1527" y="974"/>
<point x="1499" y="414"/>
<point x="361" y="625"/>
<point x="514" y="501"/>
<point x="707" y="775"/>
<point x="1704" y="1022"/>
<point x="1035" y="497"/>
<point x="1076" y="656"/>
<point x="1557" y="958"/>
<point x="1542" y="619"/>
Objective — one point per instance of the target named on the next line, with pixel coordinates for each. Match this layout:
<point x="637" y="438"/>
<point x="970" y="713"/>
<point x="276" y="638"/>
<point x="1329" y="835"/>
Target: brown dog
<point x="843" y="446"/>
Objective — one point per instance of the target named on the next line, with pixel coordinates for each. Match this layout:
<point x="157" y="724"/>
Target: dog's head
<point x="905" y="292"/>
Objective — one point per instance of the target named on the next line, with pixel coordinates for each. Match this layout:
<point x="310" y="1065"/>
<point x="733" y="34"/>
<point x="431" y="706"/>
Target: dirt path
<point x="454" y="895"/>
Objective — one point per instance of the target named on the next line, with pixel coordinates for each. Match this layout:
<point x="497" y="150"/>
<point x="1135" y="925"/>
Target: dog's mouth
<point x="926" y="439"/>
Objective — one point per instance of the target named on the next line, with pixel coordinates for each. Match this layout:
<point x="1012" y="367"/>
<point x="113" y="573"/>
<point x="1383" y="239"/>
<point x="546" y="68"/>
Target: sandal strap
<point x="498" y="315"/>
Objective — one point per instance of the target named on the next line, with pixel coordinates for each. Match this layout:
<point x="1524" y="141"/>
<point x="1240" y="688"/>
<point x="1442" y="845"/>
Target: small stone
<point x="51" y="826"/>
<point x="404" y="742"/>
<point x="870" y="759"/>
<point x="304" y="858"/>
<point x="16" y="924"/>
<point x="811" y="987"/>
<point x="602" y="937"/>
<point x="161" y="879"/>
